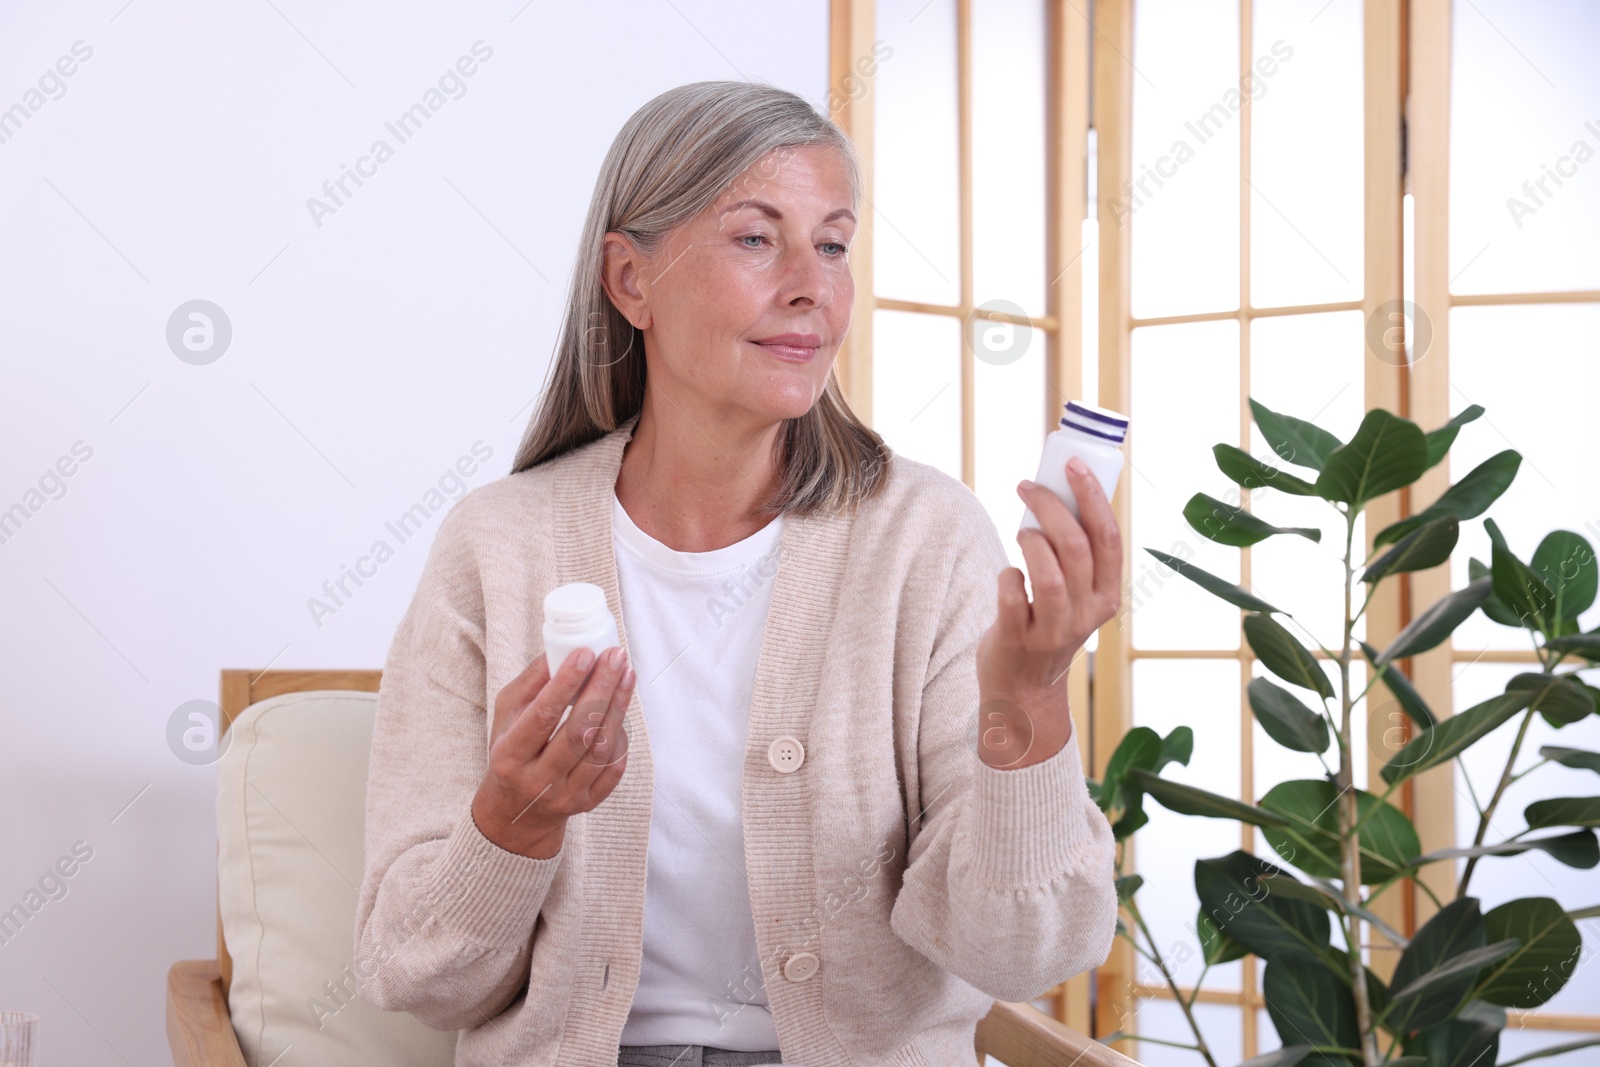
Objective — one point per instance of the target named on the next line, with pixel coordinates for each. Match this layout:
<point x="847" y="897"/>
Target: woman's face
<point x="744" y="306"/>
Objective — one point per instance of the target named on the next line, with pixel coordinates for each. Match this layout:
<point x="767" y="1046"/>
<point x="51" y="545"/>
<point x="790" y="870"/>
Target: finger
<point x="607" y="742"/>
<point x="1105" y="536"/>
<point x="525" y="686"/>
<point x="515" y="694"/>
<point x="604" y="783"/>
<point x="1071" y="545"/>
<point x="1012" y="610"/>
<point x="571" y="741"/>
<point x="1048" y="555"/>
<point x="603" y="681"/>
<point x="530" y="732"/>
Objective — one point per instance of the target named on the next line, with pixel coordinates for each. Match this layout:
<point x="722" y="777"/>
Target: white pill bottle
<point x="1093" y="434"/>
<point x="576" y="616"/>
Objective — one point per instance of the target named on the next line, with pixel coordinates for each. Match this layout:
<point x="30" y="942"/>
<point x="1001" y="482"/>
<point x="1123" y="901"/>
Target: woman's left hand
<point x="1076" y="573"/>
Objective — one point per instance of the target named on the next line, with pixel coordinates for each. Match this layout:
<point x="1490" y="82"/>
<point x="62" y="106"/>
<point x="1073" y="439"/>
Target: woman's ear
<point x="621" y="271"/>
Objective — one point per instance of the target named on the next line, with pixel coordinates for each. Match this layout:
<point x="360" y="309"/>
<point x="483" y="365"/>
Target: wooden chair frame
<point x="200" y="1030"/>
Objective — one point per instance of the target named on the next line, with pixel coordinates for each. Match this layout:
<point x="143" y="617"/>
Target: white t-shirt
<point x="694" y="622"/>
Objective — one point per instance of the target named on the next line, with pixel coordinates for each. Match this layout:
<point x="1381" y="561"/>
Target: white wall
<point x="368" y="355"/>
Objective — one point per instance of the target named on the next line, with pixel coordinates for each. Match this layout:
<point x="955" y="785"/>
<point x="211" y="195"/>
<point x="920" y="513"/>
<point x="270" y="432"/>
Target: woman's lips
<point x="790" y="353"/>
<point x="792" y="348"/>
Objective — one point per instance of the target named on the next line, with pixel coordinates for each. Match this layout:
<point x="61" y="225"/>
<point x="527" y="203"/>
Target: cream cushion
<point x="291" y="798"/>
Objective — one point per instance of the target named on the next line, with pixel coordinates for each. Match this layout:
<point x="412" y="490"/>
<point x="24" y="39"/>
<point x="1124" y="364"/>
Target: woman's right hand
<point x="535" y="782"/>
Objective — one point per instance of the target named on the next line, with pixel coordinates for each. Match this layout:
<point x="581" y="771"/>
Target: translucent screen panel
<point x="1531" y="874"/>
<point x="1162" y="1018"/>
<point x="1183" y="196"/>
<point x="1185" y="389"/>
<point x="1204" y="695"/>
<point x="1009" y="413"/>
<point x="1524" y="146"/>
<point x="916" y="234"/>
<point x="1517" y="1043"/>
<point x="916" y="386"/>
<point x="1308" y="366"/>
<point x="1008" y="95"/>
<point x="1532" y="369"/>
<point x="1305" y="153"/>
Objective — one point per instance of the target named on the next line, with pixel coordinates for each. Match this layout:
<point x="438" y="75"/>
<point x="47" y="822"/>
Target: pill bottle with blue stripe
<point x="1093" y="433"/>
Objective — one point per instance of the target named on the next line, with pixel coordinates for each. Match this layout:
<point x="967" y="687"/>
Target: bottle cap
<point x="1095" y="421"/>
<point x="575" y="607"/>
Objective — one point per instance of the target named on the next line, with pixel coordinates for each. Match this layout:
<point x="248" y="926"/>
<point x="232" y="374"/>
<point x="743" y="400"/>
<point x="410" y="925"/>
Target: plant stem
<point x="1499" y="791"/>
<point x="1349" y="833"/>
<point x="1521" y="774"/>
<point x="1466" y="780"/>
<point x="1172" y="984"/>
<point x="1195" y="992"/>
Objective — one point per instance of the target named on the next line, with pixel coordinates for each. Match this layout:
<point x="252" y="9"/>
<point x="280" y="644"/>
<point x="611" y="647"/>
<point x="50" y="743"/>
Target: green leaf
<point x="1436" y="624"/>
<point x="1586" y="645"/>
<point x="1565" y="562"/>
<point x="1562" y="700"/>
<point x="1228" y="525"/>
<point x="1460" y="1042"/>
<point x="1440" y="440"/>
<point x="1541" y="965"/>
<point x="1307" y="1002"/>
<point x="1388" y="841"/>
<point x="1563" y="811"/>
<point x="1176" y="747"/>
<point x="1127" y="886"/>
<point x="1251" y="473"/>
<point x="1456" y="928"/>
<point x="1467" y="499"/>
<point x="1427" y="546"/>
<point x="1287" y="1056"/>
<point x="1315" y="895"/>
<point x="1281" y="654"/>
<point x="1234" y="594"/>
<point x="1285" y="719"/>
<point x="1215" y="943"/>
<point x="1236" y="894"/>
<point x="1452" y="979"/>
<point x="1452" y="736"/>
<point x="1522" y="591"/>
<point x="1122" y="802"/>
<point x="1578" y="849"/>
<point x="1294" y="440"/>
<point x="1188" y="800"/>
<point x="1386" y="453"/>
<point x="1576" y="758"/>
<point x="1139" y="747"/>
<point x="1405" y="694"/>
<point x="1494" y="607"/>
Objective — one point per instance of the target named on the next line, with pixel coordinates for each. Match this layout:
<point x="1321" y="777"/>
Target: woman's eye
<point x="753" y="237"/>
<point x="842" y="249"/>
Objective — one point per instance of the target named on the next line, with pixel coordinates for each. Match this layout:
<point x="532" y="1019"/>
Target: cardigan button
<point x="800" y="966"/>
<point x="785" y="754"/>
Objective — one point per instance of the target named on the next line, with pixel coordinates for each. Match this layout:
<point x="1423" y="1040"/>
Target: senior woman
<point x="828" y="806"/>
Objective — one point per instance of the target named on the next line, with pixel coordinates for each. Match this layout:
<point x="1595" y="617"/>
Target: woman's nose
<point x="805" y="278"/>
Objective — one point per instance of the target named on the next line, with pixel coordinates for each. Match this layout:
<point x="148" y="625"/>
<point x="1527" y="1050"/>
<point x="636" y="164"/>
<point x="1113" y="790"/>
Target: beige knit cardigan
<point x="924" y="883"/>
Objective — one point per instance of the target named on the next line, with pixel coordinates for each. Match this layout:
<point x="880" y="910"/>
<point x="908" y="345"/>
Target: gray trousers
<point x="692" y="1056"/>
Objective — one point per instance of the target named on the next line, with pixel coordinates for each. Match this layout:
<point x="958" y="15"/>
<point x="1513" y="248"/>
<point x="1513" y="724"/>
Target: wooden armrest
<point x="1020" y="1035"/>
<point x="198" y="1026"/>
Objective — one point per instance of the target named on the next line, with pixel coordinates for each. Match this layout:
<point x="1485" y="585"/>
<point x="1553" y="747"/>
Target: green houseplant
<point x="1444" y="1005"/>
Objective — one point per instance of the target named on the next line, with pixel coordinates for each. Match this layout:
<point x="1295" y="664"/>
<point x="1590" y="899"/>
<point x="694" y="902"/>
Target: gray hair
<point x="669" y="162"/>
